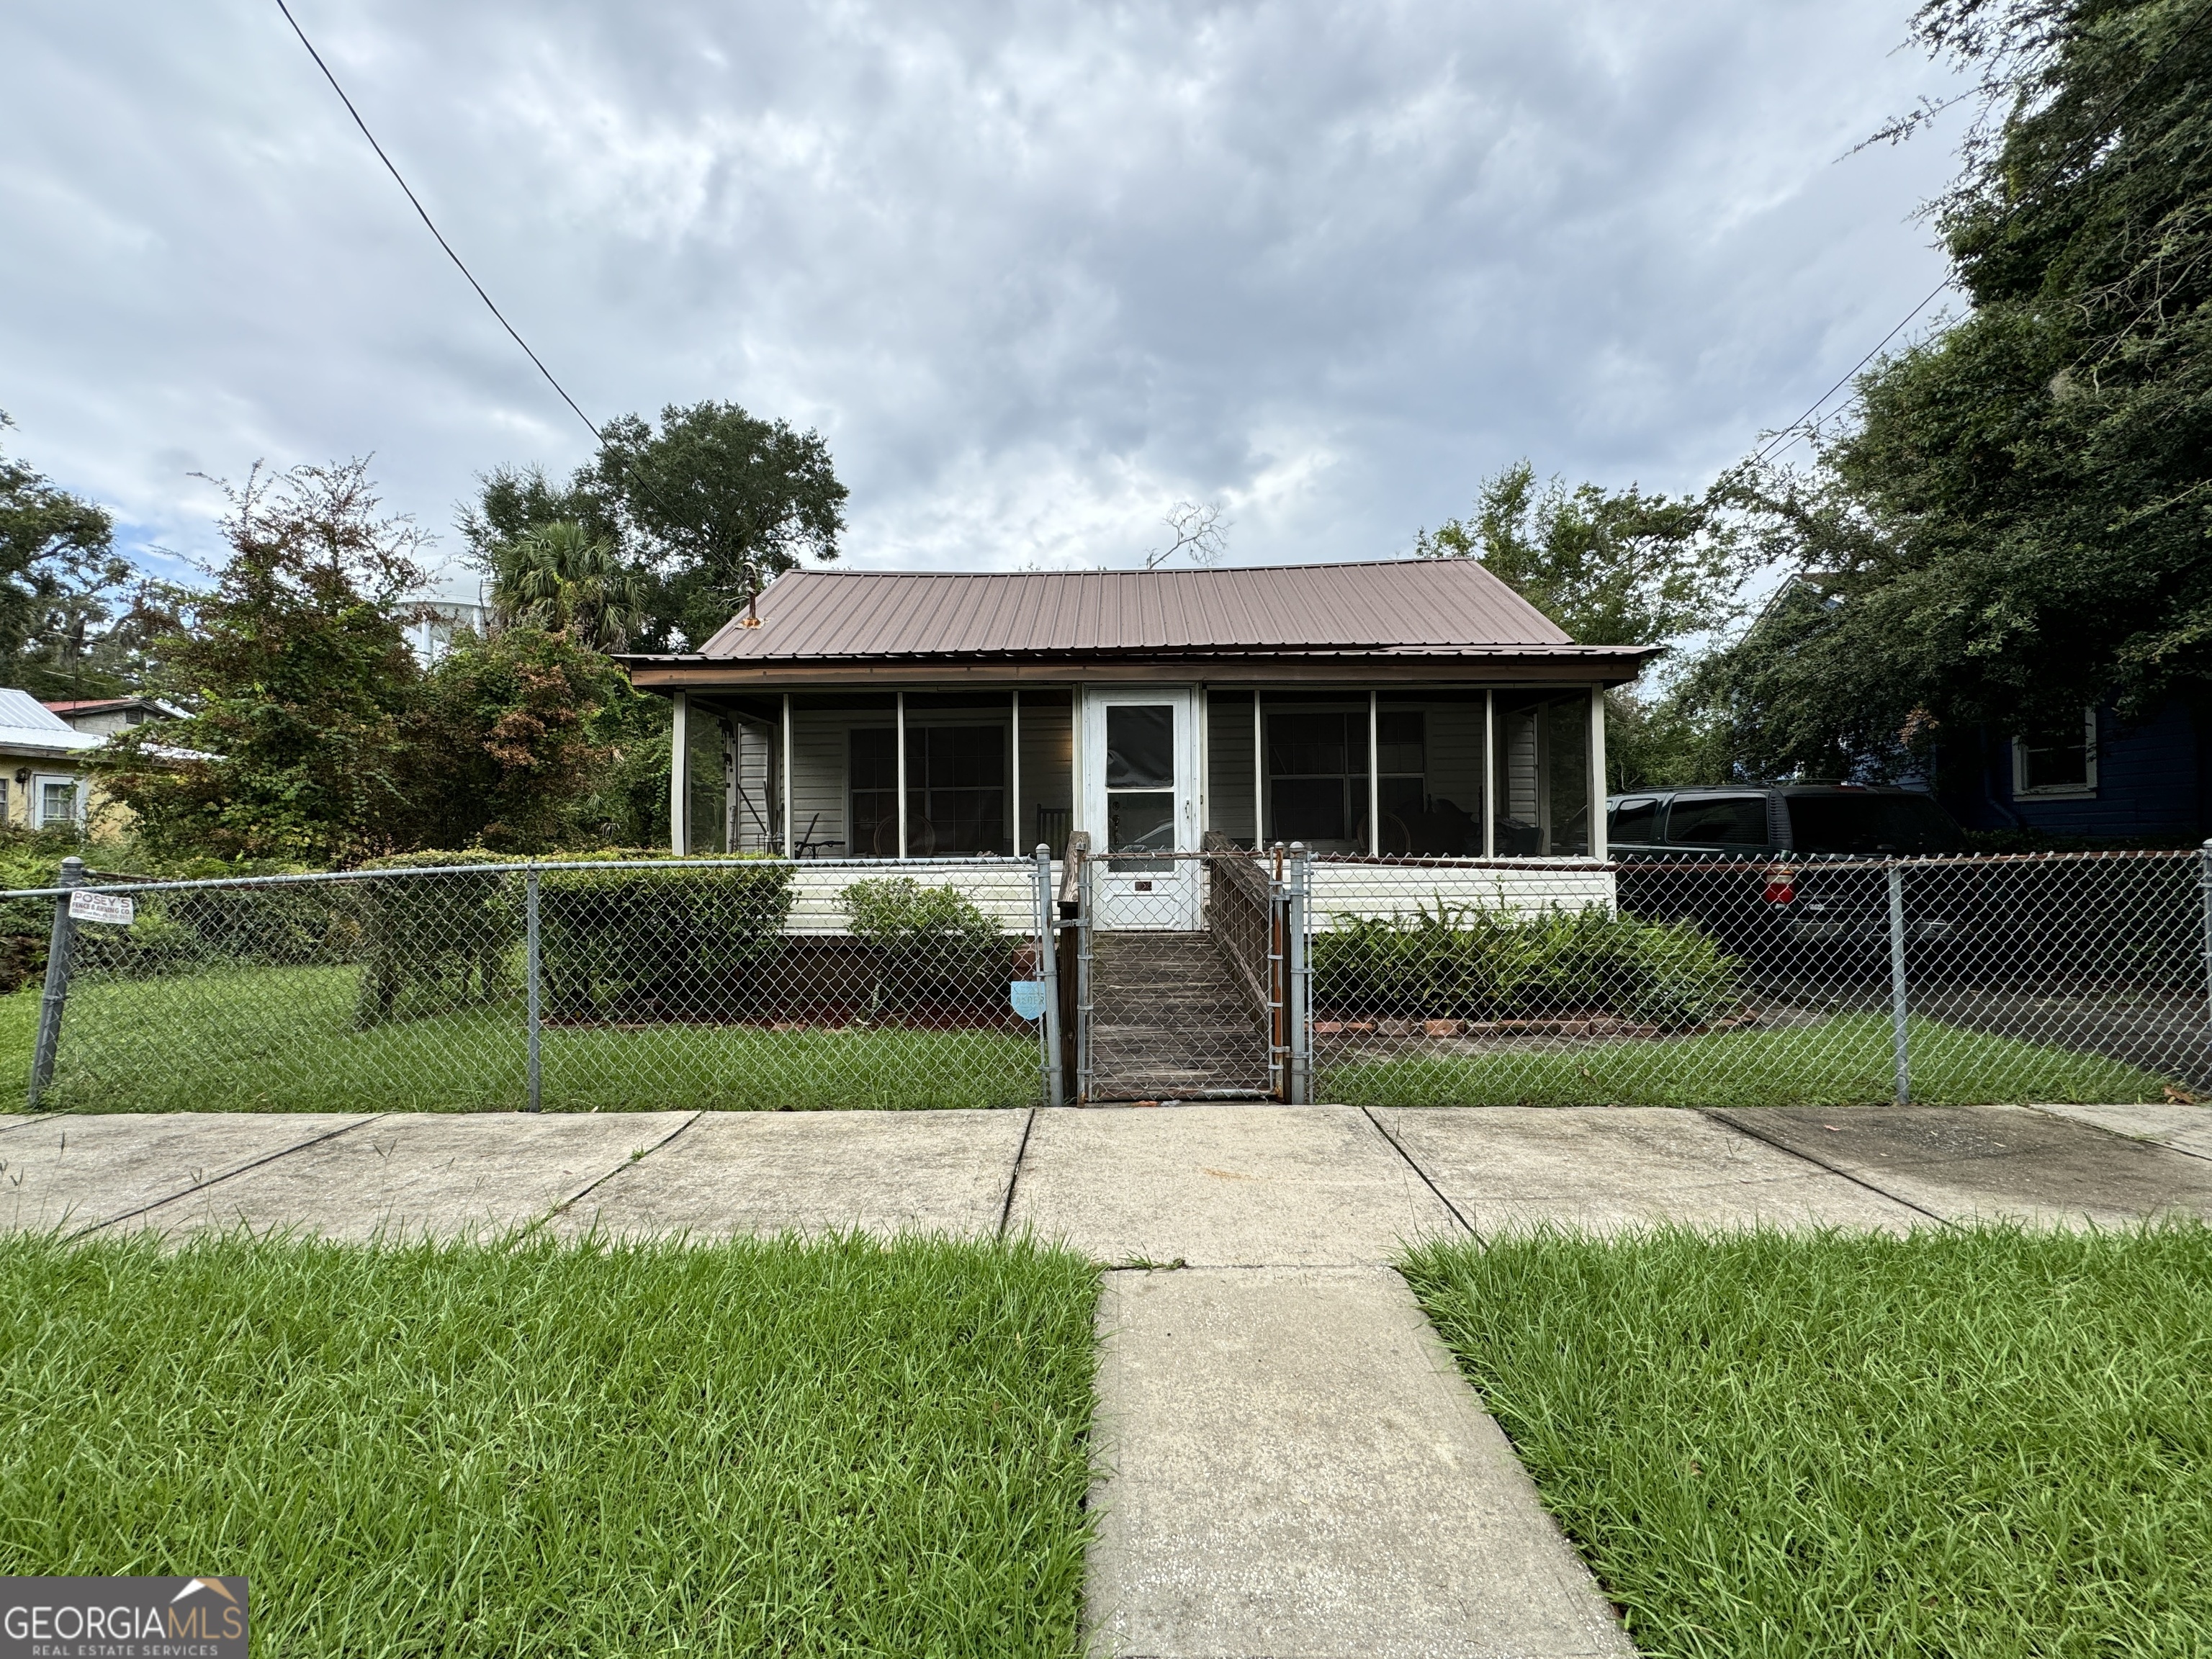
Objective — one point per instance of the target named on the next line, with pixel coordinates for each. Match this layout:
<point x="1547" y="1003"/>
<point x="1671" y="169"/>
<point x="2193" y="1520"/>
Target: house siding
<point x="2150" y="783"/>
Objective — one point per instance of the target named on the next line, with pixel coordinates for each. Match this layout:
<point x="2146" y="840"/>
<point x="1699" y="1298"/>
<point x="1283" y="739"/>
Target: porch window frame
<point x="905" y="727"/>
<point x="1363" y="786"/>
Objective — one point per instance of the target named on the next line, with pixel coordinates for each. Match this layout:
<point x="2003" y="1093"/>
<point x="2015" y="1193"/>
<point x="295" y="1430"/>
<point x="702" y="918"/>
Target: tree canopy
<point x="2018" y="521"/>
<point x="1612" y="568"/>
<point x="705" y="509"/>
<point x="75" y="617"/>
<point x="315" y="733"/>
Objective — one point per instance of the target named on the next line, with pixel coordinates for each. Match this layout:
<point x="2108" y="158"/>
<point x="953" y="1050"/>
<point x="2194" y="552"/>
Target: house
<point x="1146" y="708"/>
<point x="103" y="717"/>
<point x="43" y="784"/>
<point x="2101" y="779"/>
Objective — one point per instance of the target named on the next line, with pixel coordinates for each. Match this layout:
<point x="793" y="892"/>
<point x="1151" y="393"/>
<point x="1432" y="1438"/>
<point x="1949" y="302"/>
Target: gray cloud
<point x="1037" y="270"/>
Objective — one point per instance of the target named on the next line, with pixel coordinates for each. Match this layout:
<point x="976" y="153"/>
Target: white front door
<point x="1139" y="796"/>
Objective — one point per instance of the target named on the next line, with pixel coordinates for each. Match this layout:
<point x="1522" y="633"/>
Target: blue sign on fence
<point x="1028" y="997"/>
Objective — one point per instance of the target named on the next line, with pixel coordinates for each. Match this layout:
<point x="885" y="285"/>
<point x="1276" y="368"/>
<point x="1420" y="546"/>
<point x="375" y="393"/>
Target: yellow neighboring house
<point x="43" y="782"/>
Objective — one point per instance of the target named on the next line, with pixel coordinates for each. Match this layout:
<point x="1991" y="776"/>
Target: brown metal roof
<point x="1421" y="607"/>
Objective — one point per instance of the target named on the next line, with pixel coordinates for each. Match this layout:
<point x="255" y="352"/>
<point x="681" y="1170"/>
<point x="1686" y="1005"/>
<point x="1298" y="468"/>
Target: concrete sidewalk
<point x="1289" y="1461"/>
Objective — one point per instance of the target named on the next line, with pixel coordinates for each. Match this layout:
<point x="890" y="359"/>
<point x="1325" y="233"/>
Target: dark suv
<point x="1789" y="870"/>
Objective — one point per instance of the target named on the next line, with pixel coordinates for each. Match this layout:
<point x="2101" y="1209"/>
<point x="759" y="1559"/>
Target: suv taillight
<point x="1781" y="885"/>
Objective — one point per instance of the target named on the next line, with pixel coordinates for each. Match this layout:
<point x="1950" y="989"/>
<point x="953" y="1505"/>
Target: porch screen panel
<point x="956" y="790"/>
<point x="874" y="777"/>
<point x="1542" y="782"/>
<point x="1318" y="776"/>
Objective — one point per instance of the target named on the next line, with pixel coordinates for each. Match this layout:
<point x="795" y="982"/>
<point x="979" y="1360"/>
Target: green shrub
<point x="431" y="943"/>
<point x="175" y="930"/>
<point x="1471" y="963"/>
<point x="927" y="942"/>
<point x="687" y="941"/>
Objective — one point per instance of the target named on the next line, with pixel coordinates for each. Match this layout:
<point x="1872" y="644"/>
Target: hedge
<point x="684" y="942"/>
<point x="1471" y="963"/>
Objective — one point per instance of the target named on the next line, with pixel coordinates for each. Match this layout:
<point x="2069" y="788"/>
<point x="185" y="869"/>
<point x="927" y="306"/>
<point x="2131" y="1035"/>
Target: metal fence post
<point x="1301" y="1089"/>
<point x="1900" y="1052"/>
<point x="1048" y="965"/>
<point x="532" y="959"/>
<point x="1279" y="979"/>
<point x="2204" y="905"/>
<point x="59" y="949"/>
<point x="1083" y="919"/>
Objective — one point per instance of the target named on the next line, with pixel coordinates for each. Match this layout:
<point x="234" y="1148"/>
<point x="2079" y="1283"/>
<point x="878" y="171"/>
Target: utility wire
<point x="424" y="214"/>
<point x="1796" y="428"/>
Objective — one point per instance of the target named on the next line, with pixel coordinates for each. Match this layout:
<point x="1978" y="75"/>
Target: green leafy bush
<point x="1467" y="962"/>
<point x="432" y="943"/>
<point x="927" y="942"/>
<point x="175" y="931"/>
<point x="686" y="941"/>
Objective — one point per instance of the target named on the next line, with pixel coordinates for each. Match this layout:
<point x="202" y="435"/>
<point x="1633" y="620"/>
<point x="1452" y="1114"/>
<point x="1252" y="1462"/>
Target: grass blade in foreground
<point x="1988" y="1443"/>
<point x="825" y="1447"/>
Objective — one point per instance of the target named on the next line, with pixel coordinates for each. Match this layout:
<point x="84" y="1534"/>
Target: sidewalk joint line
<point x="2140" y="1140"/>
<point x="609" y="1175"/>
<point x="1367" y="1112"/>
<point x="1712" y="1114"/>
<point x="1014" y="1174"/>
<point x="217" y="1181"/>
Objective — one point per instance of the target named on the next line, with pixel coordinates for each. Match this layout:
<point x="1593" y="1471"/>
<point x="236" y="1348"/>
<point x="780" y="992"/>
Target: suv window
<point x="1634" y="821"/>
<point x="1870" y="823"/>
<point x="1717" y="821"/>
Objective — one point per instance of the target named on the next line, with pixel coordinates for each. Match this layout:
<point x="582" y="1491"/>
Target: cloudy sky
<point x="1037" y="270"/>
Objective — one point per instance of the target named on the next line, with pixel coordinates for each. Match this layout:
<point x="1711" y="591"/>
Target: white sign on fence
<point x="1028" y="997"/>
<point x="86" y="906"/>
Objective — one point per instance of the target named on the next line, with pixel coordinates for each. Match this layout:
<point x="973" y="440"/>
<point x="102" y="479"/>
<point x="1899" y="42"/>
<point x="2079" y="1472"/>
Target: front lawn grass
<point x="1843" y="1061"/>
<point x="1978" y="1444"/>
<point x="285" y="1039"/>
<point x="839" y="1447"/>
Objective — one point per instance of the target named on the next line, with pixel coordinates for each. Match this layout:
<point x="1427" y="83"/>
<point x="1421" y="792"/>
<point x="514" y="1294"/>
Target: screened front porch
<point x="1454" y="772"/>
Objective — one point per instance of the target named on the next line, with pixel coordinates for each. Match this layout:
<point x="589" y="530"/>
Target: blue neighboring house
<point x="2109" y="782"/>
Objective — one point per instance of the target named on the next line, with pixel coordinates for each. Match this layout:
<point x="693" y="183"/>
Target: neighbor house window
<point x="956" y="790"/>
<point x="2062" y="762"/>
<point x="1317" y="775"/>
<point x="55" y="802"/>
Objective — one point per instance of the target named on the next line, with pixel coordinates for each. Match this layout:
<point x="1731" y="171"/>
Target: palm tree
<point x="558" y="576"/>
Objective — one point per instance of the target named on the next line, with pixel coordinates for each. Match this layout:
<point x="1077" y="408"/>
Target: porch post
<point x="733" y="758"/>
<point x="1259" y="775"/>
<point x="901" y="773"/>
<point x="790" y="846"/>
<point x="1489" y="774"/>
<point x="679" y="775"/>
<point x="1374" y="778"/>
<point x="1014" y="837"/>
<point x="1597" y="772"/>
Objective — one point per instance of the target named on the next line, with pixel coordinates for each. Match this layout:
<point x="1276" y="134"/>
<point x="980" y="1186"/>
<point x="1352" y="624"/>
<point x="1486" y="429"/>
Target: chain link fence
<point x="1721" y="981"/>
<point x="764" y="983"/>
<point x="597" y="985"/>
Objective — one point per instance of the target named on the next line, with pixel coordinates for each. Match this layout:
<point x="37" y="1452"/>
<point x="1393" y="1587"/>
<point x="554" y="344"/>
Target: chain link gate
<point x="1167" y="1011"/>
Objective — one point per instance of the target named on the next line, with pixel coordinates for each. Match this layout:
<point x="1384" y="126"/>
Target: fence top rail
<point x="1755" y="861"/>
<point x="748" y="861"/>
<point x="108" y="882"/>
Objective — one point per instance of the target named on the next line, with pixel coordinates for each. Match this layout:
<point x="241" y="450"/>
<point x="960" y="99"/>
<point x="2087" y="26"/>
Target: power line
<point x="1796" y="428"/>
<point x="424" y="214"/>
